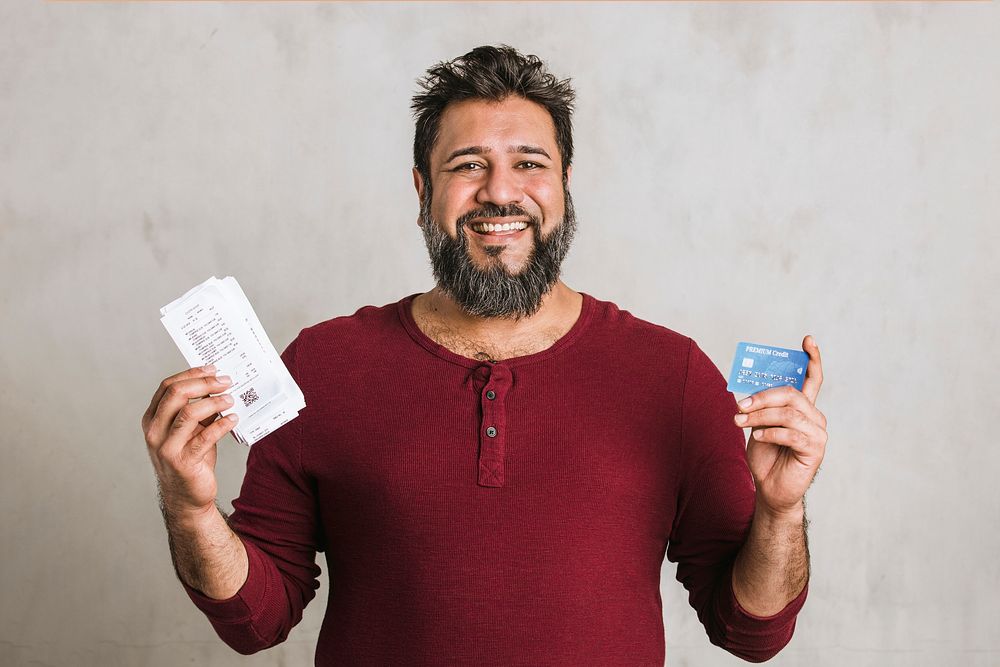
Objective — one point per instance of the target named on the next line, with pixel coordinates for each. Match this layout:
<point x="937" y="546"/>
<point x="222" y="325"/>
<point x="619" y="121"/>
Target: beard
<point x="494" y="290"/>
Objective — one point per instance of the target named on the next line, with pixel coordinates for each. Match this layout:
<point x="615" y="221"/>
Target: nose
<point x="502" y="186"/>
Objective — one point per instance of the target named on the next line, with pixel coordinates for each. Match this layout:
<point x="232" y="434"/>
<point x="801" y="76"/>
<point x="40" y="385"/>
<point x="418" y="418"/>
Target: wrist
<point x="785" y="516"/>
<point x="181" y="514"/>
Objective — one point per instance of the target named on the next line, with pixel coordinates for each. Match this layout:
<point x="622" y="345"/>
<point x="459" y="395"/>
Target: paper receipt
<point x="214" y="323"/>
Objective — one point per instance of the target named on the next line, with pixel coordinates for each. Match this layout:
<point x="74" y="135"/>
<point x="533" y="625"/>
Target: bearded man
<point x="496" y="468"/>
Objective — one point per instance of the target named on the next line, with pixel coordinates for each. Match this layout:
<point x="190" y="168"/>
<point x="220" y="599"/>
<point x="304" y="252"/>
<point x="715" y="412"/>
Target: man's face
<point x="498" y="220"/>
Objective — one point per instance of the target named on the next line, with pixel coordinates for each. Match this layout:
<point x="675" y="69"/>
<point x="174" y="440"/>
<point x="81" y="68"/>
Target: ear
<point x="569" y="175"/>
<point x="418" y="185"/>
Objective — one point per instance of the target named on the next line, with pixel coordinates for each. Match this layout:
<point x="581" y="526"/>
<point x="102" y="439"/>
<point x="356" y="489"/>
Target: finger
<point x="176" y="397"/>
<point x="798" y="441"/>
<point x="777" y="397"/>
<point x="198" y="371"/>
<point x="191" y="416"/>
<point x="787" y="417"/>
<point x="203" y="410"/>
<point x="202" y="443"/>
<point x="814" y="371"/>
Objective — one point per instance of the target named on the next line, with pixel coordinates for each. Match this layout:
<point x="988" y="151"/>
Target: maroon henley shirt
<point x="508" y="513"/>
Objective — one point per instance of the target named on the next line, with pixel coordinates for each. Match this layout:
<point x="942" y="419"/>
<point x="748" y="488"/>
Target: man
<point x="495" y="469"/>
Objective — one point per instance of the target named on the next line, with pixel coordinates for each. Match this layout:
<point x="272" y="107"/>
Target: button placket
<point x="492" y="432"/>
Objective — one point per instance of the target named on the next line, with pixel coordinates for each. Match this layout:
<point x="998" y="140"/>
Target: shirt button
<point x="490" y="431"/>
<point x="491" y="394"/>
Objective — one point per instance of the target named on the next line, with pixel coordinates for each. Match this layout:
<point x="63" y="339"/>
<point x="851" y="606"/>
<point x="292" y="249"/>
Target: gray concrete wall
<point x="743" y="172"/>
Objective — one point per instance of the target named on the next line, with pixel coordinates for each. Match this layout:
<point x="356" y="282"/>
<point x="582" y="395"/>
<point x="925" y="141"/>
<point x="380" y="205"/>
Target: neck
<point x="443" y="320"/>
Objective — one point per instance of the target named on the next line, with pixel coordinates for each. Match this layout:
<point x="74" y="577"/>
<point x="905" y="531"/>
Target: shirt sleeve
<point x="275" y="516"/>
<point x="715" y="506"/>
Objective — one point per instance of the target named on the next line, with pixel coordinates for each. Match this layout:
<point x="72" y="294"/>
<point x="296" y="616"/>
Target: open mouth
<point x="499" y="229"/>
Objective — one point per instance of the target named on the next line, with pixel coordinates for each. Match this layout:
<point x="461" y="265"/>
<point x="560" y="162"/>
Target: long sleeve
<point x="276" y="518"/>
<point x="715" y="507"/>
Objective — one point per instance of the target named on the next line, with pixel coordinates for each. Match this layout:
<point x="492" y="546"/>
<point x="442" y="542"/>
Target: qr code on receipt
<point x="249" y="397"/>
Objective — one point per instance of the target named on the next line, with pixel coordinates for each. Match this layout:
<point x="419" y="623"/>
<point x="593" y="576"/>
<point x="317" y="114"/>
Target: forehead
<point x="497" y="125"/>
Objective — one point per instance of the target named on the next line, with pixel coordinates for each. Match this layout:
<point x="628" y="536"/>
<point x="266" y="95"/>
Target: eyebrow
<point x="484" y="150"/>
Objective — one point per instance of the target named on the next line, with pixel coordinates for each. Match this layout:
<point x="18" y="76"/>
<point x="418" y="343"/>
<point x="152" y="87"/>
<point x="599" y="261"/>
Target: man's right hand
<point x="181" y="432"/>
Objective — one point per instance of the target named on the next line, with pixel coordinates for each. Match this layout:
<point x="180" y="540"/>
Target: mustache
<point x="496" y="211"/>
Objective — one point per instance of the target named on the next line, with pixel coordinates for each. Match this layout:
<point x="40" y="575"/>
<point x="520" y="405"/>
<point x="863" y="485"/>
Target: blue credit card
<point x="759" y="367"/>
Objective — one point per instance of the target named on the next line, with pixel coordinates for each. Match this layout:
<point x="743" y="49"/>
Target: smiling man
<point x="498" y="220"/>
<point x="503" y="219"/>
<point x="496" y="468"/>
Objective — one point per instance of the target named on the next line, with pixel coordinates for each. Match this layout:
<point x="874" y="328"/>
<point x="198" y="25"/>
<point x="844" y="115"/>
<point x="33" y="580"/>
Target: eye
<point x="468" y="166"/>
<point x="531" y="165"/>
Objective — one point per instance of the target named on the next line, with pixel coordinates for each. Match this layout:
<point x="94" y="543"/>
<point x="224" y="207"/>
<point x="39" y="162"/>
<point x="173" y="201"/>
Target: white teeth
<point x="484" y="227"/>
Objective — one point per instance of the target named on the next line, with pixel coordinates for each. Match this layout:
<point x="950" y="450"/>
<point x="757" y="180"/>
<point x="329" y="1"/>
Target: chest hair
<point x="486" y="350"/>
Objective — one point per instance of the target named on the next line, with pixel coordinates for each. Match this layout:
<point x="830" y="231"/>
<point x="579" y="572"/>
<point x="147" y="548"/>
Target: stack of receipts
<point x="214" y="324"/>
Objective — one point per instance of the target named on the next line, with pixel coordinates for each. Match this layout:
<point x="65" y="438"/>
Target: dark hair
<point x="489" y="73"/>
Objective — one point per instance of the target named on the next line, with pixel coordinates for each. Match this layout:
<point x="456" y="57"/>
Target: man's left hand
<point x="788" y="440"/>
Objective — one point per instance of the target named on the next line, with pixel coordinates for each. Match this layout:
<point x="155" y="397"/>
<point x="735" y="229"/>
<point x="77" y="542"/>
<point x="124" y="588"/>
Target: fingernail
<point x="746" y="402"/>
<point x="232" y="417"/>
<point x="223" y="379"/>
<point x="741" y="419"/>
<point x="227" y="399"/>
<point x="758" y="434"/>
<point x="209" y="369"/>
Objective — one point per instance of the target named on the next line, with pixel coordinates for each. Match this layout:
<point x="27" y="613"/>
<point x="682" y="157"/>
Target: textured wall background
<point x="743" y="172"/>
